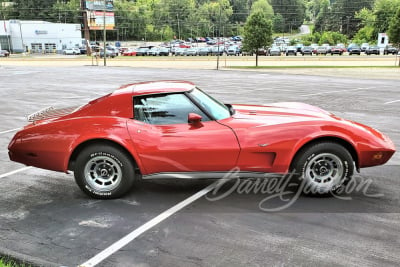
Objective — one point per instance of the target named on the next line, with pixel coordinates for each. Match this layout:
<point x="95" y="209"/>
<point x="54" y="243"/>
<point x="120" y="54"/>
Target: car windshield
<point x="215" y="108"/>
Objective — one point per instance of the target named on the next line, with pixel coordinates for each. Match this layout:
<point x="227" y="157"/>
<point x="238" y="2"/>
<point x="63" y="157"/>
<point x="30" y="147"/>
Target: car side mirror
<point x="194" y="118"/>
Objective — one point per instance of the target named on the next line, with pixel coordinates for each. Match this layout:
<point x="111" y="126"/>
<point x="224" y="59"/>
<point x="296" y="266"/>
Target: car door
<point x="166" y="142"/>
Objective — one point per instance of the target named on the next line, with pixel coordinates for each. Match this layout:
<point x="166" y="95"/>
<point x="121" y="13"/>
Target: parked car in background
<point x="314" y="47"/>
<point x="274" y="51"/>
<point x="321" y="50"/>
<point x="306" y="50"/>
<point x="262" y="52"/>
<point x="327" y="47"/>
<point x="4" y="53"/>
<point x="204" y="51"/>
<point x="154" y="51"/>
<point x="191" y="51"/>
<point x="109" y="53"/>
<point x="336" y="50"/>
<point x="72" y="51"/>
<point x="236" y="38"/>
<point x="180" y="51"/>
<point x="164" y="51"/>
<point x="389" y="49"/>
<point x="114" y="49"/>
<point x="248" y="53"/>
<point x="185" y="45"/>
<point x="217" y="50"/>
<point x="233" y="51"/>
<point x="343" y="47"/>
<point x="142" y="51"/>
<point x="83" y="50"/>
<point x="354" y="50"/>
<point x="364" y="47"/>
<point x="350" y="47"/>
<point x="373" y="50"/>
<point x="291" y="50"/>
<point x="299" y="47"/>
<point x="211" y="42"/>
<point x="129" y="52"/>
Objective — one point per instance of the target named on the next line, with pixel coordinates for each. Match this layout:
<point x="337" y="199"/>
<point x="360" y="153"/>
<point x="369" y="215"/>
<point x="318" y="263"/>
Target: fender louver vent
<point x="51" y="113"/>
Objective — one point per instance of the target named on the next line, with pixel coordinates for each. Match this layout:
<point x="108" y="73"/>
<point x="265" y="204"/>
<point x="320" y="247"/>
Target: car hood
<point x="279" y="113"/>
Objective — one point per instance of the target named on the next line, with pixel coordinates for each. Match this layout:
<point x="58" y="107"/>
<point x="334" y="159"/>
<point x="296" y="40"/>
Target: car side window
<point x="165" y="109"/>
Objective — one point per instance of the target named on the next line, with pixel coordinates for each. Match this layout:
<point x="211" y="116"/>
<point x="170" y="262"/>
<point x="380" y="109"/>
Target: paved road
<point x="45" y="217"/>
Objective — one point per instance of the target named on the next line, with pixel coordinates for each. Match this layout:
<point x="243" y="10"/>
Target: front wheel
<point x="323" y="168"/>
<point x="104" y="172"/>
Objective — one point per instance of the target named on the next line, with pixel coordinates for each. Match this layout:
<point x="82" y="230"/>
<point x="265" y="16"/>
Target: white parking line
<point x="150" y="224"/>
<point x="9" y="131"/>
<point x="338" y="91"/>
<point x="394" y="101"/>
<point x="16" y="171"/>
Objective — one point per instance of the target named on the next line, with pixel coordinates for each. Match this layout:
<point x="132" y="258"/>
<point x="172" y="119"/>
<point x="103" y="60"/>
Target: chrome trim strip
<point x="205" y="175"/>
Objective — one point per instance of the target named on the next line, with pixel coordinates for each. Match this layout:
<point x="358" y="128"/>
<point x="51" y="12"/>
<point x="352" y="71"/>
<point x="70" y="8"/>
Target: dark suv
<point x="372" y="50"/>
<point x="390" y="50"/>
<point x="307" y="50"/>
<point x="355" y="50"/>
<point x="291" y="50"/>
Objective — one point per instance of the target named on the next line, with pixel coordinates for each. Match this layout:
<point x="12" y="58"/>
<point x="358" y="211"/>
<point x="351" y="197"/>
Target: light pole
<point x="219" y="37"/>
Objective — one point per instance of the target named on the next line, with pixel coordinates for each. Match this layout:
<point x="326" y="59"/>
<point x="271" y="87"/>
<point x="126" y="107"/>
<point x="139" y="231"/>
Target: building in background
<point x="20" y="36"/>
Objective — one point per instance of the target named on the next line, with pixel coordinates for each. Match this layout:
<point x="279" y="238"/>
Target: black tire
<point x="323" y="168"/>
<point x="104" y="172"/>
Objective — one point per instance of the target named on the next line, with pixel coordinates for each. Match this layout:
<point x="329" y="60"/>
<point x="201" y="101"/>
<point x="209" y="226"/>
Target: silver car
<point x="275" y="51"/>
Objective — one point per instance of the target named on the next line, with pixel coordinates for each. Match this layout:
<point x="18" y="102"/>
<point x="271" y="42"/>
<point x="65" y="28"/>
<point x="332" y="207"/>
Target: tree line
<point x="361" y="20"/>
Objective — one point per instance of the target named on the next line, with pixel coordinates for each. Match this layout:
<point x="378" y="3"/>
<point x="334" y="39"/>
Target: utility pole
<point x="179" y="29"/>
<point x="86" y="28"/>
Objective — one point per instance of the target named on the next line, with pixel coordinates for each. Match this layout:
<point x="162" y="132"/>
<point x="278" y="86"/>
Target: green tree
<point x="322" y="16"/>
<point x="34" y="9"/>
<point x="66" y="11"/>
<point x="263" y="6"/>
<point x="366" y="34"/>
<point x="277" y="23"/>
<point x="292" y="11"/>
<point x="6" y="9"/>
<point x="240" y="11"/>
<point x="384" y="11"/>
<point x="333" y="38"/>
<point x="178" y="15"/>
<point x="216" y="14"/>
<point x="257" y="33"/>
<point x="394" y="28"/>
<point x="343" y="15"/>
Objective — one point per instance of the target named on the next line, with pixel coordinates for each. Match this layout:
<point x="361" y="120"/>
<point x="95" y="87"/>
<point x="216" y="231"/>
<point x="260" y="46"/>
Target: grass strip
<point x="9" y="262"/>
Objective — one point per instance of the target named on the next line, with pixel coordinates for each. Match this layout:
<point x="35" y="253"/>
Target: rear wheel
<point x="104" y="172"/>
<point x="323" y="167"/>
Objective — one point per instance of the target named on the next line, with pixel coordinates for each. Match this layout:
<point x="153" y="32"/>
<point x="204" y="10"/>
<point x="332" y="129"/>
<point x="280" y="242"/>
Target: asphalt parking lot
<point x="46" y="219"/>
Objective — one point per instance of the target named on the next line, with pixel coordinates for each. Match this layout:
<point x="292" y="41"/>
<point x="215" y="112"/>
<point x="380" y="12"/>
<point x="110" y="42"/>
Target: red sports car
<point x="173" y="129"/>
<point x="129" y="52"/>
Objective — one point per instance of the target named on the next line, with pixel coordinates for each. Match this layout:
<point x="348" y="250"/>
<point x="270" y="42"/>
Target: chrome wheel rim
<point x="324" y="171"/>
<point x="103" y="173"/>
